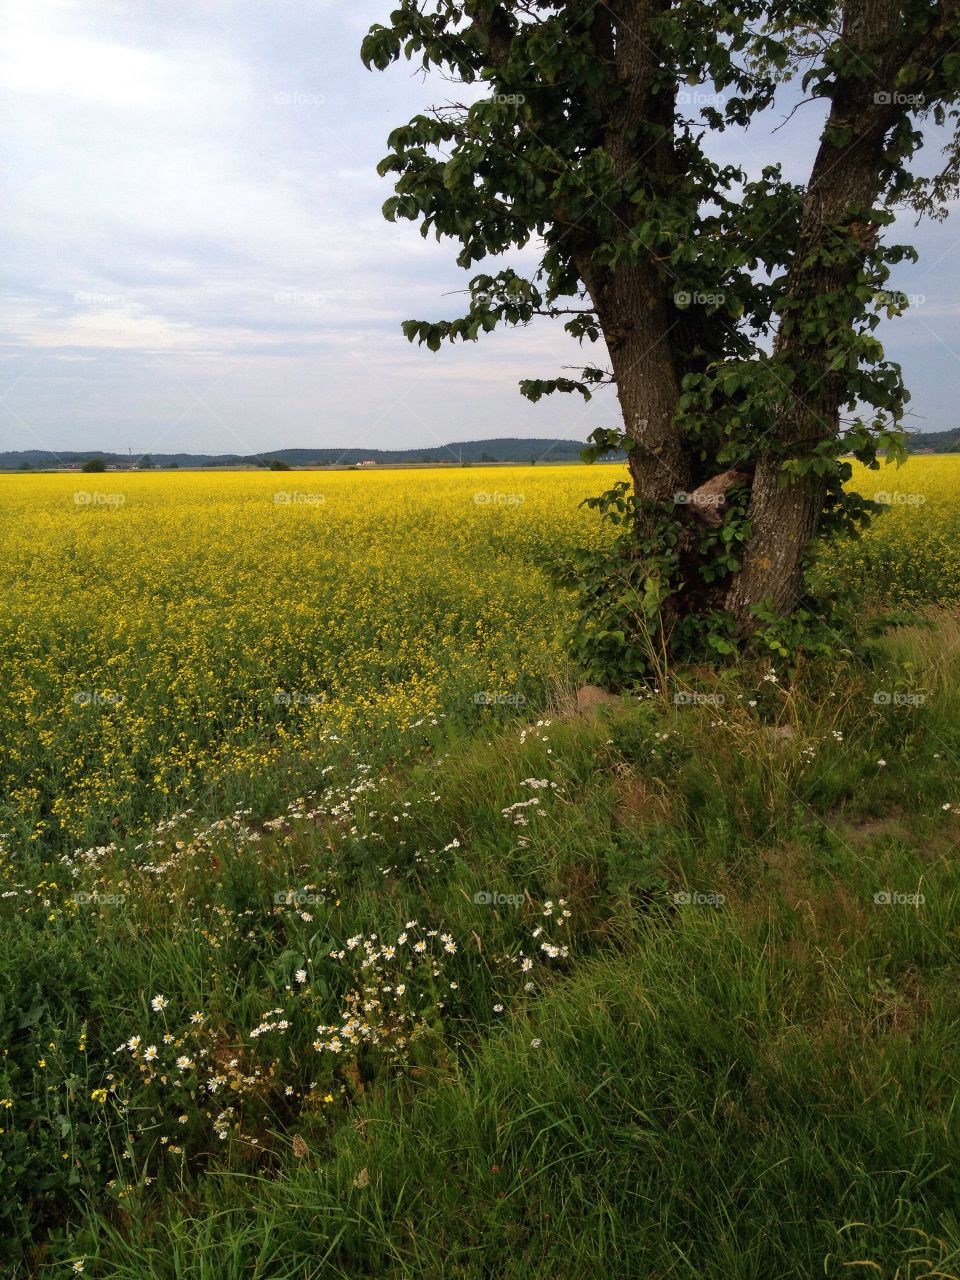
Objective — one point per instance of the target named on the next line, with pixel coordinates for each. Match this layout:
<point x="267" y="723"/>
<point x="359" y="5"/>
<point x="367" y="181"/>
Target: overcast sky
<point x="195" y="257"/>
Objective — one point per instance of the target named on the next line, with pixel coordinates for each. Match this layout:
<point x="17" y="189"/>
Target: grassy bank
<point x="668" y="992"/>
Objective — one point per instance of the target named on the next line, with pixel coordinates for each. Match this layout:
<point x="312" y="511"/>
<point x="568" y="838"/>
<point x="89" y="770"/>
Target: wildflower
<point x="301" y="976"/>
<point x="183" y="1062"/>
<point x="150" y="1052"/>
<point x="196" y="1018"/>
<point x="159" y="1003"/>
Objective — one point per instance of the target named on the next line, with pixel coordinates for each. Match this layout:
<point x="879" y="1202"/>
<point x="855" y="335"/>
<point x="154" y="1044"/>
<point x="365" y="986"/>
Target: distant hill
<point x="507" y="449"/>
<point x="936" y="441"/>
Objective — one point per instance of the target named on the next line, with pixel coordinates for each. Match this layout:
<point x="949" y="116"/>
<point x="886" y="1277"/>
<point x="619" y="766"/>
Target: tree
<point x="94" y="465"/>
<point x="278" y="464"/>
<point x="146" y="463"/>
<point x="737" y="311"/>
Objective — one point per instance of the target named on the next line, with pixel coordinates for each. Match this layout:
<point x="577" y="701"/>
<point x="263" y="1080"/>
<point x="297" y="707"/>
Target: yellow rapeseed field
<point x="911" y="555"/>
<point x="164" y="633"/>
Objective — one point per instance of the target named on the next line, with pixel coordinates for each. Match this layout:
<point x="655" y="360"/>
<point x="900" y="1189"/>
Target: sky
<point x="194" y="257"/>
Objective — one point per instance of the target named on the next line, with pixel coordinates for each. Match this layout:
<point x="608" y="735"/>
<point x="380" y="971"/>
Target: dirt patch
<point x="588" y="702"/>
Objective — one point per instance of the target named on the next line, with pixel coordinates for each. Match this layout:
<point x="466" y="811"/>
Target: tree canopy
<point x="736" y="309"/>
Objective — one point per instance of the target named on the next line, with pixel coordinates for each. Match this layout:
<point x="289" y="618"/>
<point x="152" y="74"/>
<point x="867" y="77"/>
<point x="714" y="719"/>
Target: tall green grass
<point x="745" y="1066"/>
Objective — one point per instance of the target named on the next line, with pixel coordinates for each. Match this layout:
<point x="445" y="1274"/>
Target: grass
<point x="315" y="963"/>
<point x="742" y="1062"/>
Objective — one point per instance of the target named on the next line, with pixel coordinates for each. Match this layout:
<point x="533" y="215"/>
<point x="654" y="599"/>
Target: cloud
<point x="197" y="254"/>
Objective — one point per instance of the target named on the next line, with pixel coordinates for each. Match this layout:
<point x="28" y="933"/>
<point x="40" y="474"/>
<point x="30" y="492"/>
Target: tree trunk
<point x="784" y="521"/>
<point x="633" y="301"/>
<point x="638" y="338"/>
<point x="845" y="180"/>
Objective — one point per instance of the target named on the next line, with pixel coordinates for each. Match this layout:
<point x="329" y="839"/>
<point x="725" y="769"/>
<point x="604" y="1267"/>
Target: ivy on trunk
<point x="737" y="312"/>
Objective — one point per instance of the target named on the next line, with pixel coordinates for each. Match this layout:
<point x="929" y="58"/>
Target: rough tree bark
<point x="633" y="301"/>
<point x="785" y="514"/>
